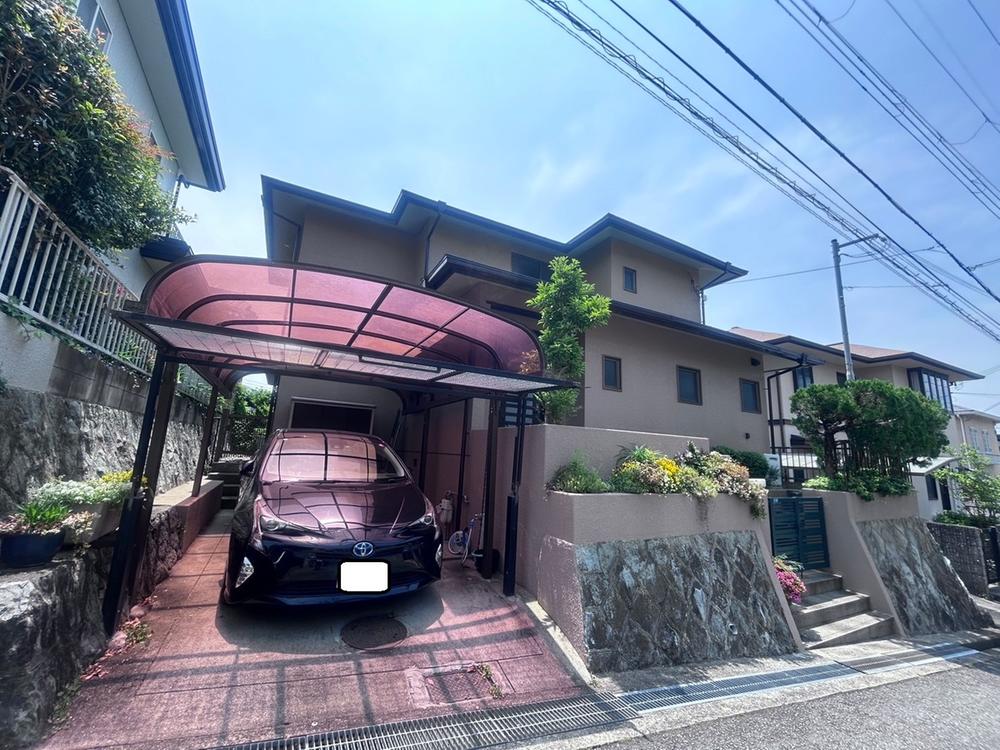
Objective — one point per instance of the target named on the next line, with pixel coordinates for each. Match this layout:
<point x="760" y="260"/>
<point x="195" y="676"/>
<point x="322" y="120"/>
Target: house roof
<point x="412" y="212"/>
<point x="963" y="410"/>
<point x="164" y="41"/>
<point x="861" y="352"/>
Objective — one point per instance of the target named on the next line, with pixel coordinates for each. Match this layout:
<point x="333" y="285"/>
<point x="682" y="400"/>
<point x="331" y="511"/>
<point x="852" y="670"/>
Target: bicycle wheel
<point x="456" y="543"/>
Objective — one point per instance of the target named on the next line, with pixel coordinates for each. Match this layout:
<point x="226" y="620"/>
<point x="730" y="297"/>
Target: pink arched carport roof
<point x="227" y="316"/>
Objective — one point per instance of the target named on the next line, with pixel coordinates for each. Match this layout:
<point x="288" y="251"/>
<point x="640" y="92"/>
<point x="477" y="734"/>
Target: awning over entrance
<point x="228" y="316"/>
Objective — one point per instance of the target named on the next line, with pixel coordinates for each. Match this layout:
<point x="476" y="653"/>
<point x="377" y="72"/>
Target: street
<point x="953" y="709"/>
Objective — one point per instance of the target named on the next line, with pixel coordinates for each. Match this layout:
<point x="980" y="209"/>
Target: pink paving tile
<point x="214" y="674"/>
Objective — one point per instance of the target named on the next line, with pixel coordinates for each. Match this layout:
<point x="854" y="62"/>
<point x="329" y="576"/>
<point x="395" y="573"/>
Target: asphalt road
<point x="959" y="708"/>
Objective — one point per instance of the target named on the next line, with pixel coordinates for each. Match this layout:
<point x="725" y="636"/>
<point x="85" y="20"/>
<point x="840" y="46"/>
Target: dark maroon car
<point x="327" y="517"/>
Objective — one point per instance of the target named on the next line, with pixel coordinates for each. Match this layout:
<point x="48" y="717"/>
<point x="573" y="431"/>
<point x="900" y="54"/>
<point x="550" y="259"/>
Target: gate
<point x="798" y="530"/>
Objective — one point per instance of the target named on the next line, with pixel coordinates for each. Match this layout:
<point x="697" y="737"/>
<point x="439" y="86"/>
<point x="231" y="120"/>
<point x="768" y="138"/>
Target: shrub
<point x="577" y="477"/>
<point x="957" y="518"/>
<point x="791" y="583"/>
<point x="866" y="484"/>
<point x="728" y="476"/>
<point x="569" y="305"/>
<point x="755" y="462"/>
<point x="43" y="516"/>
<point x="69" y="492"/>
<point x="979" y="488"/>
<point x="66" y="130"/>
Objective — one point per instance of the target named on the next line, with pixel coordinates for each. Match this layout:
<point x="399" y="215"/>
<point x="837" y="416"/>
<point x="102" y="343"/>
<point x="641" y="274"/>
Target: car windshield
<point x="326" y="457"/>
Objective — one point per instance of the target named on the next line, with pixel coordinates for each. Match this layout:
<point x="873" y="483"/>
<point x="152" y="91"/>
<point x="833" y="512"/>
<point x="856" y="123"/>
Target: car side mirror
<point x="246" y="469"/>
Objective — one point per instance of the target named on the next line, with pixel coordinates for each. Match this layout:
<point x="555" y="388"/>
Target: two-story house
<point x="656" y="367"/>
<point x="931" y="377"/>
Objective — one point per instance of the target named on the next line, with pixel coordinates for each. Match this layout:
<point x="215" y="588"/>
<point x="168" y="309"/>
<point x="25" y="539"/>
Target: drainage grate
<point x="373" y="633"/>
<point x="655" y="699"/>
<point x="466" y="731"/>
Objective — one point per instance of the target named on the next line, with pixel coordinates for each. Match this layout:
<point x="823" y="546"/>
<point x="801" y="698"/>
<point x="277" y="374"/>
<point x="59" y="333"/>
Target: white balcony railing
<point x="48" y="274"/>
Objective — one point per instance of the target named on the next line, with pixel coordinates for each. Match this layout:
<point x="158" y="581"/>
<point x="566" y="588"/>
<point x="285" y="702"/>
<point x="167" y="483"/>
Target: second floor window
<point x="803" y="377"/>
<point x="750" y="395"/>
<point x="527" y="266"/>
<point x="92" y="17"/>
<point x="612" y="374"/>
<point x="689" y="385"/>
<point x="932" y="384"/>
<point x="630" y="281"/>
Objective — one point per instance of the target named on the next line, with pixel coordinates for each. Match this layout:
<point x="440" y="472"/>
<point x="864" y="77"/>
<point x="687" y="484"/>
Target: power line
<point x="983" y="21"/>
<point x="819" y="134"/>
<point x="815" y="269"/>
<point x="954" y="52"/>
<point x="559" y="14"/>
<point x="922" y="131"/>
<point x="943" y="67"/>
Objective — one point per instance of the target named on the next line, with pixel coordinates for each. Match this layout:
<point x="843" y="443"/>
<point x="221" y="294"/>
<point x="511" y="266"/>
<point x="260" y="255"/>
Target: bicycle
<point x="460" y="542"/>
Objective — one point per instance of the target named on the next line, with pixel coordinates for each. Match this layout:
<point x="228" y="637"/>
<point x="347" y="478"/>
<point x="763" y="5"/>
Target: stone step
<point x="820" y="609"/>
<point x="821" y="581"/>
<point x="866" y="626"/>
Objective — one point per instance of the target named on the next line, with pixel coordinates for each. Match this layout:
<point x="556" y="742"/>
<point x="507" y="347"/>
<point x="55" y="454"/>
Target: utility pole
<point x="837" y="247"/>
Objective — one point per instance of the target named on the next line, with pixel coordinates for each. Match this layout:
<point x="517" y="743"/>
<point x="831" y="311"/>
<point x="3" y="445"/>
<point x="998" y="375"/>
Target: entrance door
<point x="798" y="530"/>
<point x="328" y="415"/>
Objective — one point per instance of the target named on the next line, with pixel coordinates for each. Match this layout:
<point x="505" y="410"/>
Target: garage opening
<point x="329" y="415"/>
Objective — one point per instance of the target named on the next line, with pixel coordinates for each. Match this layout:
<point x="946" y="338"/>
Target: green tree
<point x="980" y="490"/>
<point x="879" y="420"/>
<point x="66" y="130"/>
<point x="569" y="305"/>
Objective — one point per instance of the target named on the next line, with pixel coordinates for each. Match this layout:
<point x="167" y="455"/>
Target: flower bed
<point x="642" y="470"/>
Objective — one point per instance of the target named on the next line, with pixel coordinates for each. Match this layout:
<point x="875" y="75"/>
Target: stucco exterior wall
<point x="341" y="242"/>
<point x="661" y="285"/>
<point x="648" y="399"/>
<point x="451" y="238"/>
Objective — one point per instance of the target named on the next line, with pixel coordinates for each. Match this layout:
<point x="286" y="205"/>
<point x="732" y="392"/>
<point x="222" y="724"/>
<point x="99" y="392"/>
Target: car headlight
<point x="269" y="523"/>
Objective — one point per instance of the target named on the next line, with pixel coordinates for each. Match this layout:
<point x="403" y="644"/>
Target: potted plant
<point x="36" y="531"/>
<point x="101" y="499"/>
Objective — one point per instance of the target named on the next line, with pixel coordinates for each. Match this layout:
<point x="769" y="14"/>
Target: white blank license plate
<point x="371" y="577"/>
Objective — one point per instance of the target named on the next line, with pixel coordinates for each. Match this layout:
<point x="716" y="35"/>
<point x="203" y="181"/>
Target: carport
<point x="228" y="316"/>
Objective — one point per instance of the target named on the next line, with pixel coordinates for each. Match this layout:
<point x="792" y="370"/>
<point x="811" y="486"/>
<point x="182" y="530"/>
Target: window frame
<point x="756" y="391"/>
<point x="605" y="358"/>
<point x="516" y="257"/>
<point x="697" y="375"/>
<point x="91" y="24"/>
<point x="795" y="377"/>
<point x="933" y="384"/>
<point x="626" y="270"/>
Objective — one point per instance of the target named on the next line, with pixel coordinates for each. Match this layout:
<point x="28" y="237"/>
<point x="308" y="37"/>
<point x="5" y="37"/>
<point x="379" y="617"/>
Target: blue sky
<point x="488" y="106"/>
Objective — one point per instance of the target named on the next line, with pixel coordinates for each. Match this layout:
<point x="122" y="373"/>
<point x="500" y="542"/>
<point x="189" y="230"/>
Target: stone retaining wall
<point x="927" y="595"/>
<point x="50" y="631"/>
<point x="675" y="600"/>
<point x="963" y="546"/>
<point x="44" y="436"/>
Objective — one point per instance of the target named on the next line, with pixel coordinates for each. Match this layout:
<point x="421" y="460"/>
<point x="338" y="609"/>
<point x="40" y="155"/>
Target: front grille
<point x="477" y="729"/>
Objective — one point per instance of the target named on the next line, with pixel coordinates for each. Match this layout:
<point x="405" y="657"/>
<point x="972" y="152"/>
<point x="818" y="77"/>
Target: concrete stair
<point x="227" y="472"/>
<point x="830" y="615"/>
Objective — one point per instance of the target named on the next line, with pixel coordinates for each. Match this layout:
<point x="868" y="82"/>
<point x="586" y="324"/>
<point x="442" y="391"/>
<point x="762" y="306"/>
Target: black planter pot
<point x="28" y="550"/>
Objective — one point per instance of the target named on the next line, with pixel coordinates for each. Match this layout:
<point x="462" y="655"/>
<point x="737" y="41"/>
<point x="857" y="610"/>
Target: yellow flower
<point x="668" y="465"/>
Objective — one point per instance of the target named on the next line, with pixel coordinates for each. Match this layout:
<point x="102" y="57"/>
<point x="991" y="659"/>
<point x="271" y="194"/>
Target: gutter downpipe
<point x="701" y="290"/>
<point x="427" y="244"/>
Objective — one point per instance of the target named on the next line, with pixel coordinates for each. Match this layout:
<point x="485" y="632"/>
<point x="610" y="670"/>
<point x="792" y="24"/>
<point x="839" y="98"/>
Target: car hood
<point x="329" y="507"/>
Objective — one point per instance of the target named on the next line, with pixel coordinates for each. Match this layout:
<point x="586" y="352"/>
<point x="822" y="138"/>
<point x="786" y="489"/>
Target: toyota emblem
<point x="363" y="549"/>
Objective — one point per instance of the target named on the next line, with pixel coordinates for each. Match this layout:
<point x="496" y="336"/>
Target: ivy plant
<point x="569" y="306"/>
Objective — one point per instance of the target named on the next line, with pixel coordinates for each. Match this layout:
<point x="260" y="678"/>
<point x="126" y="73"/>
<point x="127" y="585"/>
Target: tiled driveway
<point x="211" y="676"/>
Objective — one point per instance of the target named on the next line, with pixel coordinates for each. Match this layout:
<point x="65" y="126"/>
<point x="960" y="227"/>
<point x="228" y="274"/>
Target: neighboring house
<point x="655" y="367"/>
<point x="81" y="412"/>
<point x="150" y="46"/>
<point x="929" y="376"/>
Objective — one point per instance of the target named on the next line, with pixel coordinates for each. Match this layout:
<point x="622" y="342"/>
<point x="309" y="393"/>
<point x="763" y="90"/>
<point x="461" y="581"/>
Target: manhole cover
<point x="370" y="633"/>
